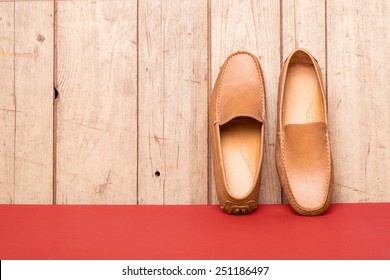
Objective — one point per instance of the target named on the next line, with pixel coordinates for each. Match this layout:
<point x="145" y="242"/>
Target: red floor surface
<point x="346" y="231"/>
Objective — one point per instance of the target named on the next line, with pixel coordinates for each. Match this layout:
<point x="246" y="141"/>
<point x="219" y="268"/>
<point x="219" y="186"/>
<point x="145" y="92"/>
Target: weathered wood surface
<point x="26" y="113"/>
<point x="173" y="98"/>
<point x="96" y="128"/>
<point x="7" y="103"/>
<point x="358" y="41"/>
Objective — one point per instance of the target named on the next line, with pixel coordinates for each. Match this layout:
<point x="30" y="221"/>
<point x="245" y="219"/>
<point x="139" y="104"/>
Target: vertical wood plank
<point x="7" y="103"/>
<point x="26" y="102"/>
<point x="97" y="104"/>
<point x="359" y="100"/>
<point x="173" y="81"/>
<point x="34" y="102"/>
<point x="252" y="26"/>
<point x="304" y="26"/>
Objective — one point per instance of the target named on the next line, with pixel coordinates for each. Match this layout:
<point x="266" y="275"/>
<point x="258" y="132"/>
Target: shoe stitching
<point x="259" y="76"/>
<point x="328" y="171"/>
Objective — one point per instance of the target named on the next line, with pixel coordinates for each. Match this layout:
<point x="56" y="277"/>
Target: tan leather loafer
<point x="303" y="157"/>
<point x="237" y="114"/>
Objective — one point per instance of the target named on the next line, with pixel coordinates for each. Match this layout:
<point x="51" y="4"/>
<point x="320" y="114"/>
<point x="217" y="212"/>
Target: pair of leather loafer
<point x="237" y="123"/>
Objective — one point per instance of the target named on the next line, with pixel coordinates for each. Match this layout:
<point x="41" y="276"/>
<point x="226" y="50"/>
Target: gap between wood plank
<point x="209" y="88"/>
<point x="280" y="51"/>
<point x="55" y="101"/>
<point x="14" y="199"/>
<point x="137" y="125"/>
<point x="326" y="56"/>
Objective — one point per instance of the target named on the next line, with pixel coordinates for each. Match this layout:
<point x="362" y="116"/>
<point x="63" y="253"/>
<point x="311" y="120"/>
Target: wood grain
<point x="304" y="26"/>
<point x="27" y="102"/>
<point x="34" y="102"/>
<point x="359" y="102"/>
<point x="97" y="105"/>
<point x="7" y="103"/>
<point x="173" y="81"/>
<point x="252" y="26"/>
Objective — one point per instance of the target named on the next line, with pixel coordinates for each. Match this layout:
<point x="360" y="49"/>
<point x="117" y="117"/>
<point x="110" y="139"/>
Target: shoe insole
<point x="302" y="96"/>
<point x="241" y="148"/>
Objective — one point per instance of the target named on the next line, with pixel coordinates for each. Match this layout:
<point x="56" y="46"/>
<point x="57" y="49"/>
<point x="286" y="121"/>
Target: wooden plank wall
<point x="128" y="123"/>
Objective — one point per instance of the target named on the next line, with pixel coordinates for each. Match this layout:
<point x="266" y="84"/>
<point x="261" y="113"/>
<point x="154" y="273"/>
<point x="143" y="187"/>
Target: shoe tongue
<point x="304" y="138"/>
<point x="241" y="104"/>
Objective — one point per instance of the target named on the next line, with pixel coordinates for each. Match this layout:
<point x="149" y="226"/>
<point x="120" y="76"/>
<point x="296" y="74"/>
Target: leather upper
<point x="307" y="163"/>
<point x="240" y="90"/>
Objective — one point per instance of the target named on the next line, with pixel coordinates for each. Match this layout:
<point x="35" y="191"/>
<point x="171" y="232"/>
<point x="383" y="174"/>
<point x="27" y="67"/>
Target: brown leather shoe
<point x="237" y="114"/>
<point x="303" y="157"/>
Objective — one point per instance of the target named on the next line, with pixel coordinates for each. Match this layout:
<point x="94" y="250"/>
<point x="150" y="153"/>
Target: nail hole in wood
<point x="40" y="38"/>
<point x="157" y="173"/>
<point x="56" y="94"/>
